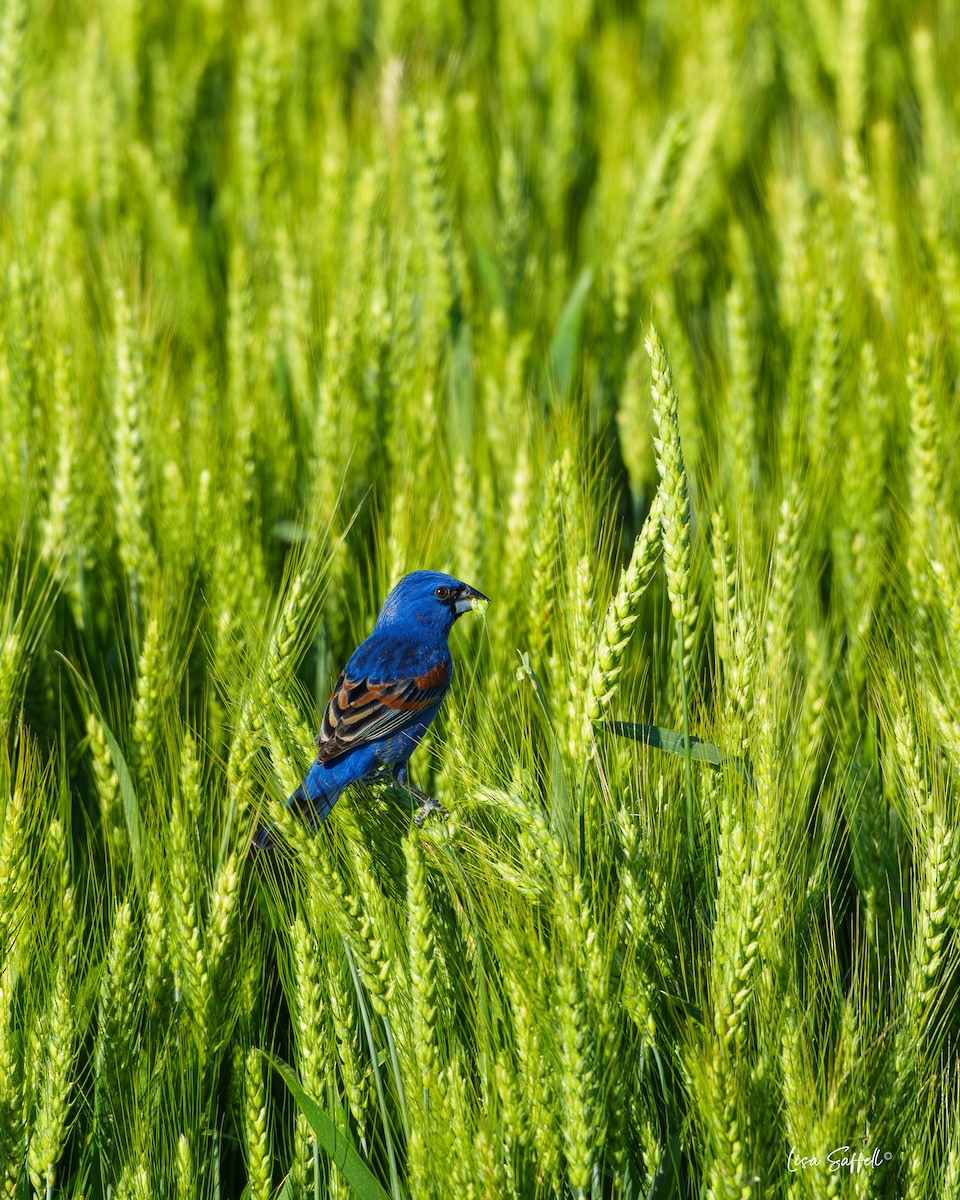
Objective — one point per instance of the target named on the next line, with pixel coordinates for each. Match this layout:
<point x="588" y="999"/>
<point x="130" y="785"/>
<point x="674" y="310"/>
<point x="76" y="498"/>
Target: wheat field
<point x="645" y="321"/>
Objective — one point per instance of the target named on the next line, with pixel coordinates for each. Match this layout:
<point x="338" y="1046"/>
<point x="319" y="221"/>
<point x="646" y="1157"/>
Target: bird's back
<point x="390" y="688"/>
<point x="388" y="654"/>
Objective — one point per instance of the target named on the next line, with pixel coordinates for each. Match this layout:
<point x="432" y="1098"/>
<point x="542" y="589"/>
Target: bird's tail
<point x="311" y="812"/>
<point x="264" y="838"/>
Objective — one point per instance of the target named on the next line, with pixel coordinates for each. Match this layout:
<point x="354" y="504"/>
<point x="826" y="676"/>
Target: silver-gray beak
<point x="465" y="597"/>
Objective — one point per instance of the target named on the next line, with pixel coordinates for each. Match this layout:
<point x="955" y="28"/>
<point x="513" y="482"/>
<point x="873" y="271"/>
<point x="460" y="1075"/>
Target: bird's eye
<point x="442" y="592"/>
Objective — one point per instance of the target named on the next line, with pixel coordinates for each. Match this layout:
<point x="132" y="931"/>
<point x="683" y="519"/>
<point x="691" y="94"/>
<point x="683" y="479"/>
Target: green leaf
<point x="667" y="739"/>
<point x="331" y="1139"/>
<point x="677" y="743"/>
<point x="488" y="272"/>
<point x="566" y="336"/>
<point x="131" y="809"/>
<point x="666" y="1181"/>
<point x="292" y="532"/>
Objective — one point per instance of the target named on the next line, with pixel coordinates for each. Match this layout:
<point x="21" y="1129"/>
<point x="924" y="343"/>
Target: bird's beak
<point x="465" y="597"/>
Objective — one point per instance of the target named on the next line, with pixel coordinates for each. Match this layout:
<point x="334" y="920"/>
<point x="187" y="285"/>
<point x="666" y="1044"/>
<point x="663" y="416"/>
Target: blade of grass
<point x="378" y="1081"/>
<point x="131" y="809"/>
<point x="333" y="1140"/>
<point x="680" y="744"/>
<point x="666" y="1181"/>
<point x="687" y="777"/>
<point x="563" y="346"/>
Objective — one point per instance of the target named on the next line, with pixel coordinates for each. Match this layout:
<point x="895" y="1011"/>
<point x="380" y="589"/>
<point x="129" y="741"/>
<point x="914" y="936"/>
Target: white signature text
<point x="841" y="1158"/>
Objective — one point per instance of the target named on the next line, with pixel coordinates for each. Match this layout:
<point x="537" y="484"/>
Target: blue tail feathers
<point x="310" y="811"/>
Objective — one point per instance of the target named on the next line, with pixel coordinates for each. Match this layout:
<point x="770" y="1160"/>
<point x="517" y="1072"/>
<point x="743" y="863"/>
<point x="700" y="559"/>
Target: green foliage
<point x="647" y="323"/>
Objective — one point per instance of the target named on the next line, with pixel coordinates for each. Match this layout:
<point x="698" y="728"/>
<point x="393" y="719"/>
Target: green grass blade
<point x="131" y="808"/>
<point x="669" y="740"/>
<point x="333" y="1140"/>
<point x="666" y="1181"/>
<point x="566" y="337"/>
<point x="677" y="743"/>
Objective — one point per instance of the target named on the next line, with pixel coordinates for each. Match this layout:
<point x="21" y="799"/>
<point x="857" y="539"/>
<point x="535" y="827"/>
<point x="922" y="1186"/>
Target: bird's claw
<point x="430" y="805"/>
<point x="398" y="775"/>
<point x="427" y="806"/>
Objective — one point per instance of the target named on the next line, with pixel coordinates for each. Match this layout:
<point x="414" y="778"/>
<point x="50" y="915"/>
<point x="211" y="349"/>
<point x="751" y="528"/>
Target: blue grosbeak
<point x="386" y="696"/>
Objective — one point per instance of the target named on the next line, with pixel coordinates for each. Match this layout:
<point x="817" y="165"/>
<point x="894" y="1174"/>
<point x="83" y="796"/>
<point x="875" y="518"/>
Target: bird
<point x="385" y="698"/>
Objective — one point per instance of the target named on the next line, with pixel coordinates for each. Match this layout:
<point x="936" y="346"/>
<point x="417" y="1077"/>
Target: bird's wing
<point x="362" y="710"/>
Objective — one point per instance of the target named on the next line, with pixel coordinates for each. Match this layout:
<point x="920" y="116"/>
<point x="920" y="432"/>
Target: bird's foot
<point x="398" y="774"/>
<point x="427" y="806"/>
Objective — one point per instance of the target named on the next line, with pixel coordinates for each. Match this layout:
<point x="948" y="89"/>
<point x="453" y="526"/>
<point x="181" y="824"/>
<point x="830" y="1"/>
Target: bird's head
<point x="427" y="601"/>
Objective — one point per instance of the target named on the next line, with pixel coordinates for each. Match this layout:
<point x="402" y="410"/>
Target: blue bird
<point x="385" y="698"/>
